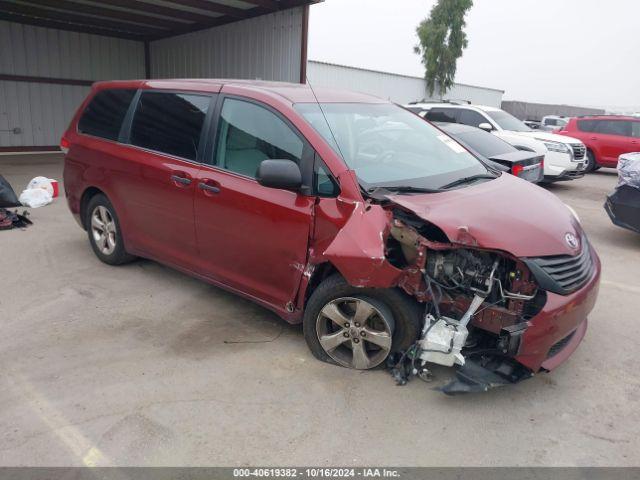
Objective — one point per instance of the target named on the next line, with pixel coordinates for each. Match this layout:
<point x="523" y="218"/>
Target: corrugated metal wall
<point x="397" y="88"/>
<point x="535" y="111"/>
<point x="267" y="47"/>
<point x="46" y="52"/>
<point x="41" y="111"/>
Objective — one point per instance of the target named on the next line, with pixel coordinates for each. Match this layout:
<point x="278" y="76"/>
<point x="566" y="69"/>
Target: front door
<point x="252" y="238"/>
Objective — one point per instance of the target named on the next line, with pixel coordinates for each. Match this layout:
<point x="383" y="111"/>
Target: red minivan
<point x="389" y="241"/>
<point x="605" y="136"/>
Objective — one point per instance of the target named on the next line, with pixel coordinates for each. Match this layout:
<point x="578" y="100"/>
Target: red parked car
<point x="605" y="136"/>
<point x="389" y="249"/>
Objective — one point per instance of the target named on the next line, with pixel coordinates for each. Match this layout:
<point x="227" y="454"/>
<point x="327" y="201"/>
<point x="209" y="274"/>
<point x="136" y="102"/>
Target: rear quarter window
<point x="447" y="115"/>
<point x="105" y="113"/>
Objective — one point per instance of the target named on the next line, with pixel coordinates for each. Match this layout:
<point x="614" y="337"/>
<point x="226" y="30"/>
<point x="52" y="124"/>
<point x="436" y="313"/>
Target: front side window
<point x="506" y="121"/>
<point x="471" y="118"/>
<point x="105" y="113"/>
<point x="389" y="147"/>
<point x="170" y="123"/>
<point x="324" y="185"/>
<point x="249" y="134"/>
<point x="587" y="125"/>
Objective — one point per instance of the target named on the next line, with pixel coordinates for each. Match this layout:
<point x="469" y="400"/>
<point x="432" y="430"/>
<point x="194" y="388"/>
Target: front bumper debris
<point x="473" y="377"/>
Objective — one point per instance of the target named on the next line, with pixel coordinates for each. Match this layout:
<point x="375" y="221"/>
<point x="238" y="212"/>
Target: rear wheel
<point x="105" y="235"/>
<point x="358" y="327"/>
<point x="591" y="162"/>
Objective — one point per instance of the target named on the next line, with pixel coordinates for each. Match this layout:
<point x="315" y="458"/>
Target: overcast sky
<point x="581" y="52"/>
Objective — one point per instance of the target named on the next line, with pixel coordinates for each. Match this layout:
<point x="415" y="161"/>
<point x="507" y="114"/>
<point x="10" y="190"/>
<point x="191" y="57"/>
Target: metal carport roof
<point x="142" y="20"/>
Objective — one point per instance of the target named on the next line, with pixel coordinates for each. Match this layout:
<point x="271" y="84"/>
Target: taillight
<point x="517" y="170"/>
<point x="64" y="145"/>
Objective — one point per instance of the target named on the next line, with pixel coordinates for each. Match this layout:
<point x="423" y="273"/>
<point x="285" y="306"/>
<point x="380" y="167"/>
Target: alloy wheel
<point x="355" y="332"/>
<point x="103" y="229"/>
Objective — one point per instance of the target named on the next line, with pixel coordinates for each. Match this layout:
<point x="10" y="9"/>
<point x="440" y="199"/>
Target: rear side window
<point x="636" y="129"/>
<point x="105" y="113"/>
<point x="249" y="134"/>
<point x="615" y="127"/>
<point x="170" y="123"/>
<point x="447" y="115"/>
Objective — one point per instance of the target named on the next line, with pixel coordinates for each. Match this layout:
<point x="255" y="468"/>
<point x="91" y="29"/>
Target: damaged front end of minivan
<point x="479" y="301"/>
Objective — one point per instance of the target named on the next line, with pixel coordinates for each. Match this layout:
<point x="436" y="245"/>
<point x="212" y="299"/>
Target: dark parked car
<point x="526" y="165"/>
<point x="623" y="204"/>
<point x="605" y="136"/>
<point x="383" y="246"/>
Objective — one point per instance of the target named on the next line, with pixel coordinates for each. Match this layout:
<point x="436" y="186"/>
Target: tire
<point x="402" y="315"/>
<point x="591" y="162"/>
<point x="108" y="245"/>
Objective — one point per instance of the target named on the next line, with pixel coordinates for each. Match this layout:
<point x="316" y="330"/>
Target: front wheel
<point x="591" y="162"/>
<point x="358" y="327"/>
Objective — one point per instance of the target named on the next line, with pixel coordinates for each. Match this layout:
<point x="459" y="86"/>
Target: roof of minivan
<point x="293" y="92"/>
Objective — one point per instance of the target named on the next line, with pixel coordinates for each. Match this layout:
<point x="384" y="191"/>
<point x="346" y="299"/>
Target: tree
<point x="442" y="40"/>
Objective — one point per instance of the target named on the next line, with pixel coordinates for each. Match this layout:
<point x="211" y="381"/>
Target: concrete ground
<point x="129" y="366"/>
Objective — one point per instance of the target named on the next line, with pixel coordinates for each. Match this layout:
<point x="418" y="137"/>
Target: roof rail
<point x="451" y="102"/>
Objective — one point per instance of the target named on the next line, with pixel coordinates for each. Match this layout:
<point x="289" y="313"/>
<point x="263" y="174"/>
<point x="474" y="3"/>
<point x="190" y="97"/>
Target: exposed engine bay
<point x="477" y="306"/>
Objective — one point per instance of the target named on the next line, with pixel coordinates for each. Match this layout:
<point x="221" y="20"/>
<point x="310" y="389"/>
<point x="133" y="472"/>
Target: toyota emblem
<point x="571" y="240"/>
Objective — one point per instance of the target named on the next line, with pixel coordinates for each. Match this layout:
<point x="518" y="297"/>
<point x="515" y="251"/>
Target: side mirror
<point x="486" y="126"/>
<point x="283" y="174"/>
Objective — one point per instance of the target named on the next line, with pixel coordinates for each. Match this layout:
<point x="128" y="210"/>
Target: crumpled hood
<point x="507" y="214"/>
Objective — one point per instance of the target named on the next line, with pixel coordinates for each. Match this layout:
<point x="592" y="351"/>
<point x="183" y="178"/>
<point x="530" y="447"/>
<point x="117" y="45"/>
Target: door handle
<point x="208" y="188"/>
<point x="181" y="180"/>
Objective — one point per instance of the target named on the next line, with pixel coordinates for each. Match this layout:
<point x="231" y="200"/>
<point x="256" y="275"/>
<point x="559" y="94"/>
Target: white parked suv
<point x="553" y="122"/>
<point x="565" y="158"/>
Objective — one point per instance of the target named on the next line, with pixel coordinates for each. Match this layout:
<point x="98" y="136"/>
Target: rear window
<point x="170" y="123"/>
<point x="105" y="113"/>
<point x="485" y="143"/>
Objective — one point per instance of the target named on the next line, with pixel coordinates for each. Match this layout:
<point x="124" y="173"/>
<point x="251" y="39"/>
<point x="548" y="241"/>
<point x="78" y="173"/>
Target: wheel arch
<point x="320" y="273"/>
<point x="87" y="195"/>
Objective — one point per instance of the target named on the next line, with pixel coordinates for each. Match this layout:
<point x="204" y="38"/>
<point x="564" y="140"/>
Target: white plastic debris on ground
<point x="629" y="170"/>
<point x="38" y="193"/>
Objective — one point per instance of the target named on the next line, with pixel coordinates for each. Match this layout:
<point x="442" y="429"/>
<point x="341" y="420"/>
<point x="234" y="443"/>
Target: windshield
<point x="508" y="121"/>
<point x="388" y="146"/>
<point x="485" y="143"/>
